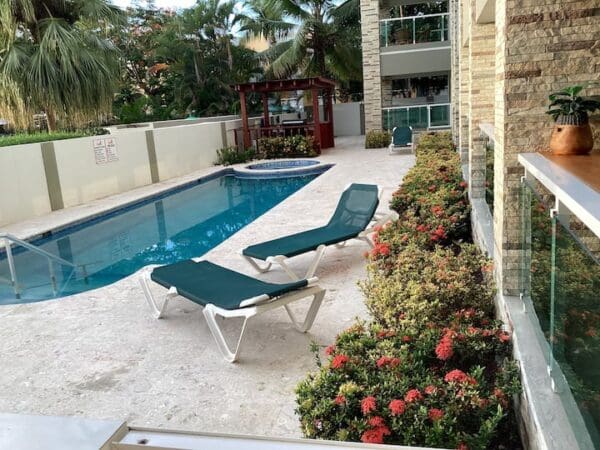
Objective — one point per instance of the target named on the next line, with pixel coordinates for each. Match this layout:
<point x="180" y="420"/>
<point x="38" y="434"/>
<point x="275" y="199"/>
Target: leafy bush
<point x="32" y="138"/>
<point x="419" y="285"/>
<point x="377" y="139"/>
<point x="433" y="368"/>
<point x="444" y="387"/>
<point x="287" y="147"/>
<point x="231" y="155"/>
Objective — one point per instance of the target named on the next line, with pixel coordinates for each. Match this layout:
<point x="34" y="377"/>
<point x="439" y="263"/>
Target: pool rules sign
<point x="105" y="150"/>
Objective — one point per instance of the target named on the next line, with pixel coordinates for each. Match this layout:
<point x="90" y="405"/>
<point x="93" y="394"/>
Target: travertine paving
<point x="101" y="355"/>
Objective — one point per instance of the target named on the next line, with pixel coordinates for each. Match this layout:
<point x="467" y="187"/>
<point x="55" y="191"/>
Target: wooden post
<point x="265" y="101"/>
<point x="316" y="118"/>
<point x="247" y="142"/>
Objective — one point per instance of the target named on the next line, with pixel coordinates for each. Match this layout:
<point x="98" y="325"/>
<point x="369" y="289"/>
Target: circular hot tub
<point x="281" y="165"/>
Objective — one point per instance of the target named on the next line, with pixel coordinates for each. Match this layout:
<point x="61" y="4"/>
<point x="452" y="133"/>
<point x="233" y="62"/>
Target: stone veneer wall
<point x="541" y="46"/>
<point x="465" y="75"/>
<point x="454" y="8"/>
<point x="386" y="92"/>
<point x="369" y="11"/>
<point x="482" y="74"/>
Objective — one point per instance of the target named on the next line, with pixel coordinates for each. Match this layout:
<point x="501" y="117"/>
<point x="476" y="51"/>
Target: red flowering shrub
<point x="433" y="368"/>
<point x="422" y="401"/>
<point x="422" y="283"/>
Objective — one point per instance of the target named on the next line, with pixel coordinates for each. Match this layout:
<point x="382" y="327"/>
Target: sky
<point x="173" y="4"/>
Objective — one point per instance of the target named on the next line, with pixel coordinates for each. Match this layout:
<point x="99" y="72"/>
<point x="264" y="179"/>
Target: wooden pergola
<point x="320" y="128"/>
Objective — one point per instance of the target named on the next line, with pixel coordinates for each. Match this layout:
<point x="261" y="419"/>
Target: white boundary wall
<point x="31" y="185"/>
<point x="184" y="149"/>
<point x="82" y="180"/>
<point x="23" y="187"/>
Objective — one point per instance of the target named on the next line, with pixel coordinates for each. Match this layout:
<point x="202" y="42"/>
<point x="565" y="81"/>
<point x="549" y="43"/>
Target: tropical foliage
<point x="287" y="147"/>
<point x="377" y="139"/>
<point x="56" y="58"/>
<point x="567" y="107"/>
<point x="433" y="368"/>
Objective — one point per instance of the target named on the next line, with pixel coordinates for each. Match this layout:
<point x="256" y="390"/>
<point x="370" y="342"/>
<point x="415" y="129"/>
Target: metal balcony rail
<point x="10" y="240"/>
<point x="414" y="29"/>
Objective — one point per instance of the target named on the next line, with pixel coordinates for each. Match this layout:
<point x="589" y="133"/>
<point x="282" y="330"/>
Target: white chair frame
<point x="248" y="308"/>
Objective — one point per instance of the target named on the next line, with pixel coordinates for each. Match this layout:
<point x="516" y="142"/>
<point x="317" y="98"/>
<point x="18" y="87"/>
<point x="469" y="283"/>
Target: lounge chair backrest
<point x="402" y="136"/>
<point x="356" y="207"/>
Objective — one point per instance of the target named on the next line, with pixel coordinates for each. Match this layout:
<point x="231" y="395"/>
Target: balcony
<point x="418" y="117"/>
<point x="560" y="206"/>
<point x="414" y="30"/>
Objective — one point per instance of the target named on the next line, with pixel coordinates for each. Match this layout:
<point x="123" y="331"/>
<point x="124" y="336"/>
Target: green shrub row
<point x="377" y="139"/>
<point x="433" y="368"/>
<point x="32" y="138"/>
<point x="287" y="147"/>
<point x="232" y="155"/>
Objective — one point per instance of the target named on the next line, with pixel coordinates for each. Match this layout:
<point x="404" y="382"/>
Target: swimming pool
<point x="180" y="224"/>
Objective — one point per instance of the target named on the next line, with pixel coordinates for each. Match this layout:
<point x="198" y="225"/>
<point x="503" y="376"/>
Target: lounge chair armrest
<point x="254" y="300"/>
<point x="312" y="281"/>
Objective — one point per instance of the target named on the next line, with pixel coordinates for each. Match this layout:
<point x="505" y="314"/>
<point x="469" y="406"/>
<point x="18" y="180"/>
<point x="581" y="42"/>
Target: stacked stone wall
<point x="369" y="11"/>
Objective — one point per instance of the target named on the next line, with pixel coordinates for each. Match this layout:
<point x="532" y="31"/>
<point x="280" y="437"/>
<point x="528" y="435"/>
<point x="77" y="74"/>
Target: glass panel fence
<point x="417" y="117"/>
<point x="564" y="286"/>
<point x="414" y="30"/>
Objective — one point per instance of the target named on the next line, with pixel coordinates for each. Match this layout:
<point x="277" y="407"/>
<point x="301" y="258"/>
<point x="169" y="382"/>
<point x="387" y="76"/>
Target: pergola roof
<point x="286" y="85"/>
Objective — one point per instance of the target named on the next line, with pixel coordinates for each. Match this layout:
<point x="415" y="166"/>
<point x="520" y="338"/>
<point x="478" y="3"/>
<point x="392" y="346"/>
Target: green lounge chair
<point x="227" y="293"/>
<point x="354" y="218"/>
<point x="401" y="140"/>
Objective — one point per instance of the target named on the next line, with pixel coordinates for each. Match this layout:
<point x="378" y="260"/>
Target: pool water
<point x="184" y="224"/>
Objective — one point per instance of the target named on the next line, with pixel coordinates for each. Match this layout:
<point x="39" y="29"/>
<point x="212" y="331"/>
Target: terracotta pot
<point x="572" y="139"/>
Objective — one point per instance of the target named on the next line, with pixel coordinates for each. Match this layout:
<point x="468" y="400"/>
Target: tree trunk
<point x="50" y="119"/>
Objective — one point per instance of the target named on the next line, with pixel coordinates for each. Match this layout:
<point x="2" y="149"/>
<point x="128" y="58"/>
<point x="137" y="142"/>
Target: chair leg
<point x="257" y="266"/>
<point x="310" y="315"/>
<point x="156" y="311"/>
<point x="230" y="356"/>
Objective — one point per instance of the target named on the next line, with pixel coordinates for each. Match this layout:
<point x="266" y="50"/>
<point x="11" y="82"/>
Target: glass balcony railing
<point x="561" y="276"/>
<point x="418" y="117"/>
<point x="414" y="30"/>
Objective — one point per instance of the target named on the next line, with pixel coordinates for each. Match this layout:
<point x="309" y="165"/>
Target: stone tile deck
<point x="100" y="354"/>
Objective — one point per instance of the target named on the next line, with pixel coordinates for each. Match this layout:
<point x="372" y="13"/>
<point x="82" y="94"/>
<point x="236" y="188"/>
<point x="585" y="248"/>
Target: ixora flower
<point x="375" y="435"/>
<point x="430" y="390"/>
<point x="444" y="349"/>
<point x="462" y="446"/>
<point x="377" y="421"/>
<point x="504" y="337"/>
<point x="387" y="361"/>
<point x="339" y="361"/>
<point x="435" y="414"/>
<point x="397" y="407"/>
<point x="330" y="350"/>
<point x="340" y="400"/>
<point x="458" y="376"/>
<point x="414" y="395"/>
<point x="368" y="404"/>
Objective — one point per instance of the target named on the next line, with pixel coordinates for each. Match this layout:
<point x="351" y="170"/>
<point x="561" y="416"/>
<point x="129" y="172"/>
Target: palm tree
<point x="265" y="19"/>
<point x="326" y="40"/>
<point x="55" y="57"/>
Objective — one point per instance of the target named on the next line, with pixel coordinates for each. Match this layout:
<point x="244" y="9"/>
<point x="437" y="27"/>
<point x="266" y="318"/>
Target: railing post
<point x="442" y="29"/>
<point x="386" y="31"/>
<point x="428" y="117"/>
<point x="414" y="30"/>
<point x="11" y="267"/>
<point x="52" y="277"/>
<point x="477" y="169"/>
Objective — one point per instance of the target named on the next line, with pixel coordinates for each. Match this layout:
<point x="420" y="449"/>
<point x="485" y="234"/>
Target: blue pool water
<point x="181" y="225"/>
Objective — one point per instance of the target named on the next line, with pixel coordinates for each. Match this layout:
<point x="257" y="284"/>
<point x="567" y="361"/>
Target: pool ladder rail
<point x="10" y="240"/>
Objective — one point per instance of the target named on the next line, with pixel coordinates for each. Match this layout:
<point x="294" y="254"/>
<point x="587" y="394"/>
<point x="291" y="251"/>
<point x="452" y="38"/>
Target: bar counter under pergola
<point x="320" y="128"/>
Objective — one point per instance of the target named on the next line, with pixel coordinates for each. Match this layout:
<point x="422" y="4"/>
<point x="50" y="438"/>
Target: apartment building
<point x="406" y="63"/>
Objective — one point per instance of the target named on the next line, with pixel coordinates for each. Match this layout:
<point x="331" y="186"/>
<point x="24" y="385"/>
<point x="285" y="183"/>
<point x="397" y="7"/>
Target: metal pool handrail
<point x="9" y="240"/>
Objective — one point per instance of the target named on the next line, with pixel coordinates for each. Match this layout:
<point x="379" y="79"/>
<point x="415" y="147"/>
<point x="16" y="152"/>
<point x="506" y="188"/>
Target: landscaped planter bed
<point x="433" y="368"/>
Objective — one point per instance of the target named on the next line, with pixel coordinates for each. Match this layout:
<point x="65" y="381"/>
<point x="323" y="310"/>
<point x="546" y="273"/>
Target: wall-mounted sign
<point x="105" y="150"/>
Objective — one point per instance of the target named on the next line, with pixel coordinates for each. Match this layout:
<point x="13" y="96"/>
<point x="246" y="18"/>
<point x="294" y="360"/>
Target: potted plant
<point x="572" y="134"/>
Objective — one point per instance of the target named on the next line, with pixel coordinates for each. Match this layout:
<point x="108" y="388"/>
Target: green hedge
<point x="32" y="138"/>
<point x="231" y="155"/>
<point x="287" y="147"/>
<point x="378" y="139"/>
<point x="433" y="368"/>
